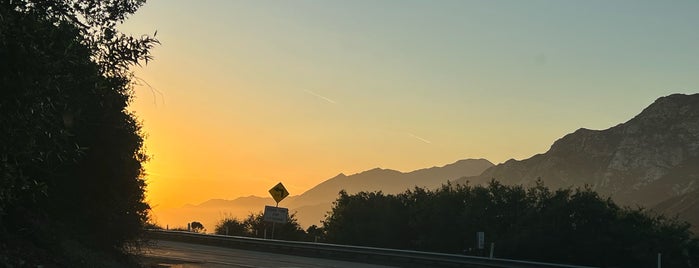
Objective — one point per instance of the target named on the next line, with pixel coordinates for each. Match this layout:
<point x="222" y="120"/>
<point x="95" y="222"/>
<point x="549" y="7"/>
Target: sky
<point x="244" y="94"/>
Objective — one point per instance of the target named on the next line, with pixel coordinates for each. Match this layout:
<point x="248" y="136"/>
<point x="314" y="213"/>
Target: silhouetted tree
<point x="70" y="152"/>
<point x="231" y="226"/>
<point x="290" y="230"/>
<point x="315" y="233"/>
<point x="566" y="226"/>
<point x="256" y="226"/>
<point x="368" y="219"/>
<point x="197" y="227"/>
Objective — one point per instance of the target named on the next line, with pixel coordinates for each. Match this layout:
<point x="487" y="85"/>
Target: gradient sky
<point x="244" y="94"/>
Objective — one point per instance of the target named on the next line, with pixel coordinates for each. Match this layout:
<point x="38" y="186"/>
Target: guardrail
<point x="403" y="258"/>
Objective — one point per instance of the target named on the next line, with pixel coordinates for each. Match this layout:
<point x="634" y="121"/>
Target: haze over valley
<point x="651" y="161"/>
<point x="564" y="132"/>
<point x="242" y="95"/>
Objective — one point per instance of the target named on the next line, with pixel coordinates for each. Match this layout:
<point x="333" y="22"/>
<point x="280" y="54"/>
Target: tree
<point x="315" y="233"/>
<point x="71" y="154"/>
<point x="197" y="227"/>
<point x="368" y="219"/>
<point x="231" y="226"/>
<point x="257" y="227"/>
<point x="574" y="226"/>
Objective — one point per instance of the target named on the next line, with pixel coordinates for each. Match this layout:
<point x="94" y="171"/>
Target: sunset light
<point x="355" y="133"/>
<point x="245" y="94"/>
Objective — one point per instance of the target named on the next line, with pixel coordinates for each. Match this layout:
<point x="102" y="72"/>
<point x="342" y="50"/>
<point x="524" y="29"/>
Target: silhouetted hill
<point x="213" y="210"/>
<point x="652" y="157"/>
<point x="312" y="205"/>
<point x="389" y="181"/>
<point x="318" y="200"/>
<point x="248" y="201"/>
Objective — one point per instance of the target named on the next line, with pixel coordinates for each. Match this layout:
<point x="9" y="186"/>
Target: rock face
<point x="650" y="158"/>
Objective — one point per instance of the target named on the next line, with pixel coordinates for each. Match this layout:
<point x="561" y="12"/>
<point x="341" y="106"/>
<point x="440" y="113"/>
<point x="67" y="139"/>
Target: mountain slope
<point x="389" y="181"/>
<point x="213" y="210"/>
<point x="248" y="201"/>
<point x="652" y="157"/>
<point x="685" y="206"/>
<point x="312" y="205"/>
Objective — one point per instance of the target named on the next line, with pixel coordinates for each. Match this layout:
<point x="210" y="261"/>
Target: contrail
<point x="413" y="135"/>
<point x="319" y="96"/>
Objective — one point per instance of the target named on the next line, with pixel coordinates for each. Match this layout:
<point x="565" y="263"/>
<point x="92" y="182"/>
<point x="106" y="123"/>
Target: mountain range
<point x="652" y="160"/>
<point x="311" y="206"/>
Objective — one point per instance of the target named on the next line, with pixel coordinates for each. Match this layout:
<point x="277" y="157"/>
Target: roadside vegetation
<point x="567" y="226"/>
<point x="255" y="226"/>
<point x="71" y="174"/>
<point x="573" y="226"/>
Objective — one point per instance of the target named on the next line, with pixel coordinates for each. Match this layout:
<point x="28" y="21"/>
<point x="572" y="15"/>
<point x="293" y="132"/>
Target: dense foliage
<point x="562" y="226"/>
<point x="70" y="153"/>
<point x="255" y="226"/>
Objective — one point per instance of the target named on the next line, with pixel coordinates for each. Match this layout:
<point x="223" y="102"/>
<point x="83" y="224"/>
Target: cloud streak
<point x="423" y="140"/>
<point x="320" y="96"/>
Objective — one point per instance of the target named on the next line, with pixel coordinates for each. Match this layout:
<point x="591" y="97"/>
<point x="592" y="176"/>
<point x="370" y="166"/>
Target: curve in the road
<point x="164" y="253"/>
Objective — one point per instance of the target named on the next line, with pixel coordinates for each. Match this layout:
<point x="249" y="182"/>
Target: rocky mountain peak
<point x="652" y="157"/>
<point x="678" y="111"/>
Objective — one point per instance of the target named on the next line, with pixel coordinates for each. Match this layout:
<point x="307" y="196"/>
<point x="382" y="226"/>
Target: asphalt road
<point x="184" y="255"/>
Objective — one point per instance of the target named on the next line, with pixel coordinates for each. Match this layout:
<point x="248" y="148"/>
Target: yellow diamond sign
<point x="278" y="192"/>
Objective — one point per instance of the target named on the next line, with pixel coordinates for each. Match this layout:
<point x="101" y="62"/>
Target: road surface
<point x="184" y="255"/>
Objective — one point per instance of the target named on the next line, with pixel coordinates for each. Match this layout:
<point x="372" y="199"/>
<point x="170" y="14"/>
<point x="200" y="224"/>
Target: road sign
<point x="276" y="214"/>
<point x="278" y="192"/>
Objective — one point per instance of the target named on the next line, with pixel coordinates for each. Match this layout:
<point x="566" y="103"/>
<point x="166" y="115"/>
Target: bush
<point x="71" y="154"/>
<point x="563" y="226"/>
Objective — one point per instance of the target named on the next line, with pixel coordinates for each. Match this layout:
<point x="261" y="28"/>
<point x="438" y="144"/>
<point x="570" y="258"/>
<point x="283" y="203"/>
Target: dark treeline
<point x="71" y="175"/>
<point x="563" y="226"/>
<point x="255" y="226"/>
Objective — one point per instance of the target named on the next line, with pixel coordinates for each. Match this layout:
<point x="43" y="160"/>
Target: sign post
<point x="480" y="239"/>
<point x="277" y="214"/>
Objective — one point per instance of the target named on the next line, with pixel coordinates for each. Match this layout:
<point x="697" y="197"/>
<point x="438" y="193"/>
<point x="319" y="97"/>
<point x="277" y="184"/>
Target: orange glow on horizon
<point x="247" y="94"/>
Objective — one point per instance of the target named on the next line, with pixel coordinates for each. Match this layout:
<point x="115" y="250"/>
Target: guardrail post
<point x="492" y="249"/>
<point x="660" y="260"/>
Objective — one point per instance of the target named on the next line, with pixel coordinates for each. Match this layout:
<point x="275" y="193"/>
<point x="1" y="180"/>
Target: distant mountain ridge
<point x="246" y="201"/>
<point x="646" y="160"/>
<point x="651" y="160"/>
<point x="312" y="205"/>
<point x="390" y="181"/>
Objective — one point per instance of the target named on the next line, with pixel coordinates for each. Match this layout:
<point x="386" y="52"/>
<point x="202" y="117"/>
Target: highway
<point x="164" y="253"/>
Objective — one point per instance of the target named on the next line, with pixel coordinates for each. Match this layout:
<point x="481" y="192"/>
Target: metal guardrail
<point x="403" y="258"/>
